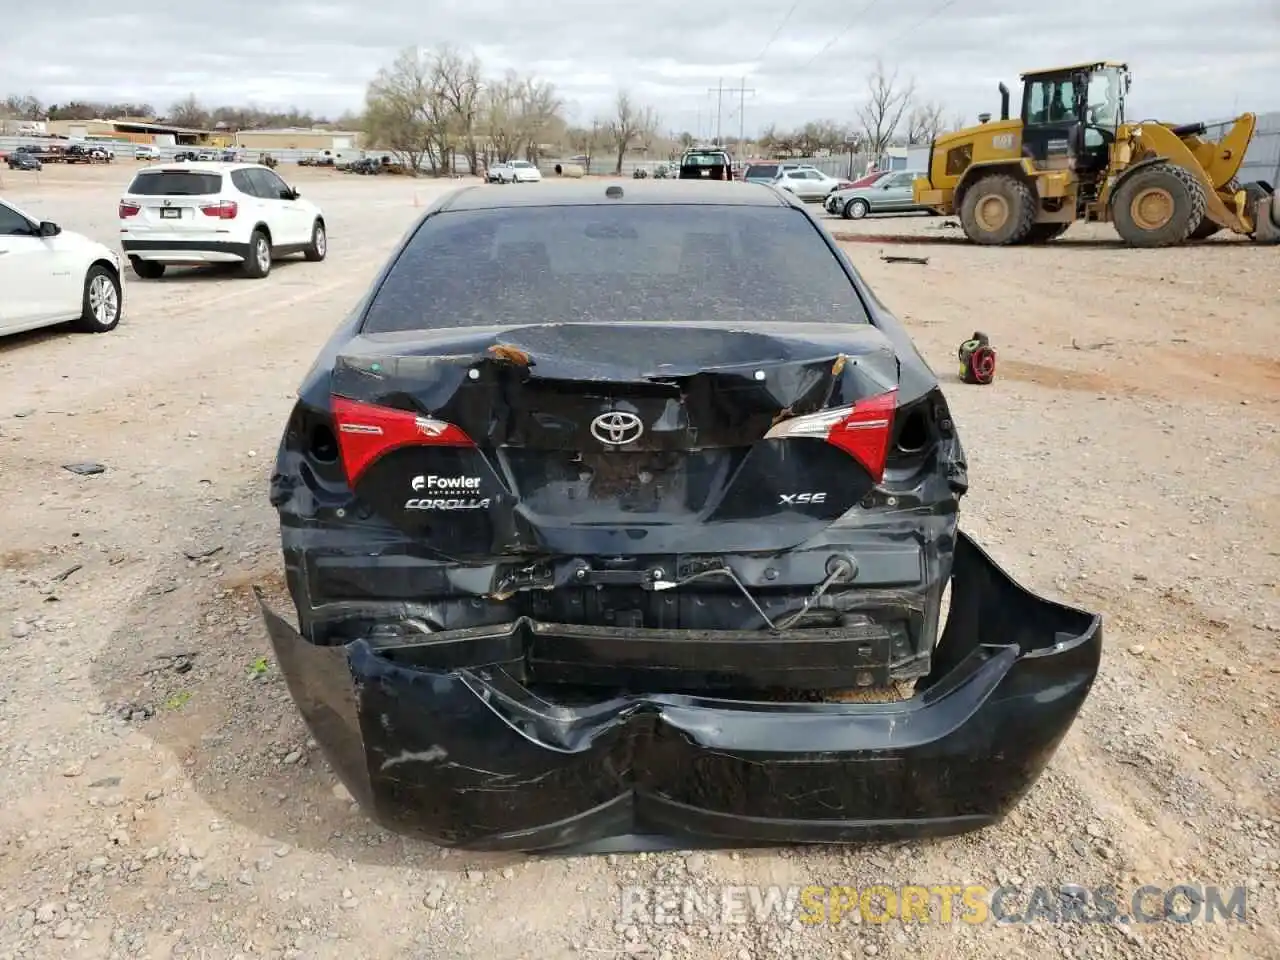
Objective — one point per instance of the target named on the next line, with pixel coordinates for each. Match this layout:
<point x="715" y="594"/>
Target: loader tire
<point x="1045" y="232"/>
<point x="1205" y="229"/>
<point x="1159" y="206"/>
<point x="998" y="211"/>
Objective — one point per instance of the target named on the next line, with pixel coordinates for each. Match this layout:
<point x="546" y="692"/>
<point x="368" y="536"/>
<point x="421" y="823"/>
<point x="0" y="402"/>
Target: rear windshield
<point x="624" y="263"/>
<point x="762" y="170"/>
<point x="705" y="160"/>
<point x="176" y="183"/>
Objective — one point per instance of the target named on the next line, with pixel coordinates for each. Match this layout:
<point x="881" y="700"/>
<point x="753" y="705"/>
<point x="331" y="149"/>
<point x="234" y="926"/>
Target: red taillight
<point x="862" y="430"/>
<point x="367" y="431"/>
<point x="129" y="209"/>
<point x="223" y="210"/>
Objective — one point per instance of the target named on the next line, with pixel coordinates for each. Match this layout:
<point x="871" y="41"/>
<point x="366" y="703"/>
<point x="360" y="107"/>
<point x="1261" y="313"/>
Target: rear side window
<point x="176" y="183"/>
<point x="240" y="179"/>
<point x="592" y="263"/>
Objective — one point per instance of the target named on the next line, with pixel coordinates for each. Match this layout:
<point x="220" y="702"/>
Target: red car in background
<point x="869" y="179"/>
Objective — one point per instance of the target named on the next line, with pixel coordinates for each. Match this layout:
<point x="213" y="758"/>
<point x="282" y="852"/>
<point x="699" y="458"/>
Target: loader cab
<point x="1071" y="115"/>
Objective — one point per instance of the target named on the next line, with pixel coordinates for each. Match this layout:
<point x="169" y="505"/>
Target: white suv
<point x="197" y="213"/>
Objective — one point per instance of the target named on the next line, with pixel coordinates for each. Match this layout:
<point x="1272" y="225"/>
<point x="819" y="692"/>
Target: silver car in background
<point x="891" y="194"/>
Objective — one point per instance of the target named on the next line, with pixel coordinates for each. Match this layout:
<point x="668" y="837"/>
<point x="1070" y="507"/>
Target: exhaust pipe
<point x="1004" y="102"/>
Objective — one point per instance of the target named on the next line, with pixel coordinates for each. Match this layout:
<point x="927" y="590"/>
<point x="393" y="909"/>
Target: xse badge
<point x="443" y="493"/>
<point x="795" y="499"/>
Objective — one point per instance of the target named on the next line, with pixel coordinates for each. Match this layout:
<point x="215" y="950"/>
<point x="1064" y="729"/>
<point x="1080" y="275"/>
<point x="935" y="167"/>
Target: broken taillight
<point x="367" y="431"/>
<point x="862" y="430"/>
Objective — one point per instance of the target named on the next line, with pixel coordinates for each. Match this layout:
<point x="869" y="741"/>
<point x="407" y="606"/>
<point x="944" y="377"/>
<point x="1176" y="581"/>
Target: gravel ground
<point x="162" y="799"/>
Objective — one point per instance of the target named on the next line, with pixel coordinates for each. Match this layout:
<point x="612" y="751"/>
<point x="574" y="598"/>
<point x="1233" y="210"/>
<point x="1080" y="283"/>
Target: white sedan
<point x="49" y="275"/>
<point x="808" y="183"/>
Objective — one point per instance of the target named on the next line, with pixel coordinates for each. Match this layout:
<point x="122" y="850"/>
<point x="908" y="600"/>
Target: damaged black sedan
<point x="622" y="517"/>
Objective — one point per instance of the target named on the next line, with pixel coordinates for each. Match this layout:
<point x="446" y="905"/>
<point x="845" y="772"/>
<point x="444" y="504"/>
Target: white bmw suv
<point x="199" y="213"/>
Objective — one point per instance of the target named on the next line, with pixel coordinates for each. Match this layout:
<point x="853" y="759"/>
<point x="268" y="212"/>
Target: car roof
<point x="201" y="166"/>
<point x="553" y="193"/>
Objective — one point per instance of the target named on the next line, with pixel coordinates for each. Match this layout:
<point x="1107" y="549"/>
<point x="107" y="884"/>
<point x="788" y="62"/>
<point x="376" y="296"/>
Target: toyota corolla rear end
<point x="628" y="521"/>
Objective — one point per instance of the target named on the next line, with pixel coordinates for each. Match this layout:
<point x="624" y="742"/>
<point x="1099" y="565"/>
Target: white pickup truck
<point x="514" y="171"/>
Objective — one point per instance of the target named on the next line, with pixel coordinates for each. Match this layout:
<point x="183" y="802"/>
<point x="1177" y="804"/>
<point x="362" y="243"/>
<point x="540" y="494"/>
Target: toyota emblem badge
<point x="617" y="428"/>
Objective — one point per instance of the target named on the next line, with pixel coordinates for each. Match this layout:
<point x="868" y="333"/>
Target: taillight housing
<point x="367" y="431"/>
<point x="862" y="430"/>
<point x="128" y="209"/>
<point x="223" y="209"/>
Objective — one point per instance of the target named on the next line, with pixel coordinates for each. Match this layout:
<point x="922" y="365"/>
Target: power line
<point x="840" y="36"/>
<point x="785" y="20"/>
<point x="720" y="90"/>
<point x="915" y="26"/>
<point x="920" y="23"/>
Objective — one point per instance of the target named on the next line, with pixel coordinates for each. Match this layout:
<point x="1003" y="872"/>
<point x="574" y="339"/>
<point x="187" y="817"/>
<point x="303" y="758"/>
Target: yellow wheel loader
<point x="1072" y="155"/>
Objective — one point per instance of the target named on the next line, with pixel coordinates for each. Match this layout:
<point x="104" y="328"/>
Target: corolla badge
<point x="617" y="428"/>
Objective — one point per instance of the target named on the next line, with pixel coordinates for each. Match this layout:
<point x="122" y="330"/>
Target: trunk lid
<point x="625" y="438"/>
<point x="171" y="201"/>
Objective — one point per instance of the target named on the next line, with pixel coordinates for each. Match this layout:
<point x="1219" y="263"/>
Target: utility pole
<point x="720" y="90"/>
<point x="742" y="112"/>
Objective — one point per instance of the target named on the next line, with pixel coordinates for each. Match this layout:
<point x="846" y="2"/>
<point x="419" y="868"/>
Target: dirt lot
<point x="161" y="798"/>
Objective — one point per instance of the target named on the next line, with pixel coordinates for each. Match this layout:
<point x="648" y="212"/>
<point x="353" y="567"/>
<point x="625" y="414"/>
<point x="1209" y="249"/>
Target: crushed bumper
<point x="469" y="757"/>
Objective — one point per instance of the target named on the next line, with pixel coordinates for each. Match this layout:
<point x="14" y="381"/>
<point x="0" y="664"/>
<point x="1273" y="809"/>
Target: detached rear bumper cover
<point x="467" y="757"/>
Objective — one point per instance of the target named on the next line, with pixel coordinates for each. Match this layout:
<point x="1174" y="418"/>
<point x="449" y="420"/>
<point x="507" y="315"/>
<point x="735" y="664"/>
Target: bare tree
<point x="629" y="124"/>
<point x="460" y="86"/>
<point x="924" y="122"/>
<point x="501" y="119"/>
<point x="882" y="114"/>
<point x="187" y="112"/>
<point x="405" y="110"/>
<point x="539" y="105"/>
<point x="22" y="108"/>
<point x="958" y="122"/>
<point x="584" y="141"/>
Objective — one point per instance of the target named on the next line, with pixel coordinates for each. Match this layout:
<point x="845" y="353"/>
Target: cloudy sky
<point x="805" y="59"/>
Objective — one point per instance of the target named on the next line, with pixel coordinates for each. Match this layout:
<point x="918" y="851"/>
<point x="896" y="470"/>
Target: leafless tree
<point x="585" y="140"/>
<point x="460" y="84"/>
<point x="924" y="122"/>
<point x="957" y="122"/>
<point x="187" y="112"/>
<point x="539" y="108"/>
<point x="405" y="109"/>
<point x="22" y="108"/>
<point x="882" y="113"/>
<point x="629" y="124"/>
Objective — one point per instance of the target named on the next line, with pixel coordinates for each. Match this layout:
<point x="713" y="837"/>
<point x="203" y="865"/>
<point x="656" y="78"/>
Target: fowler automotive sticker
<point x="439" y="486"/>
